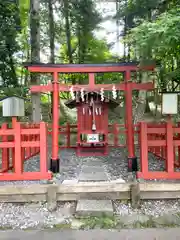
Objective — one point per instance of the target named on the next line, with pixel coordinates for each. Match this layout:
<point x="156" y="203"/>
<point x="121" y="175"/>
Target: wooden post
<point x="132" y="159"/>
<point x="143" y="148"/>
<point x="54" y="166"/>
<point x="178" y="146"/>
<point x="170" y="146"/>
<point x="18" y="168"/>
<point x="5" y="151"/>
<point x="43" y="148"/>
<point x="135" y="195"/>
<point x="129" y="116"/>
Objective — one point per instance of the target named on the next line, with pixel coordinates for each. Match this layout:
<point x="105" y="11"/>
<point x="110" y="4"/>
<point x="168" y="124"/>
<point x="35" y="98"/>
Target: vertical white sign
<point x="169" y="103"/>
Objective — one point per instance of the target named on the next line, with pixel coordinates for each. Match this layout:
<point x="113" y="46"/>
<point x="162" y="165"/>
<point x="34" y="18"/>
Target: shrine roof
<point x="110" y="101"/>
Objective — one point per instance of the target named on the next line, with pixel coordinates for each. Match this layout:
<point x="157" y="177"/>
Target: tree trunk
<point x="51" y="32"/>
<point x="139" y="110"/>
<point x="68" y="30"/>
<point x="117" y="29"/>
<point x="35" y="56"/>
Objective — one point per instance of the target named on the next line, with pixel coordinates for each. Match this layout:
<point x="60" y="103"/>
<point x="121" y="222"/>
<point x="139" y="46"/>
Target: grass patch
<point x="103" y="222"/>
<point x="62" y="226"/>
<point x="149" y="224"/>
<point x="4" y="228"/>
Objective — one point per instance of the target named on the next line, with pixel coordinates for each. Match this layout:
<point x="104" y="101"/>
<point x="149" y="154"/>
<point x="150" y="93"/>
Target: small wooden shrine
<point x="92" y="122"/>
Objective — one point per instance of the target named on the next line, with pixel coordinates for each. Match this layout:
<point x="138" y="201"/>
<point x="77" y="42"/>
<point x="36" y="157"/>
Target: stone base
<point x="54" y="165"/>
<point x="69" y="182"/>
<point x="94" y="208"/>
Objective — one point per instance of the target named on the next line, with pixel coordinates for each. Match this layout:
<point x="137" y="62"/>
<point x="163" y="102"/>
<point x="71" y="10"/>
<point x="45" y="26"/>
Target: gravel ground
<point x="150" y="208"/>
<point x="34" y="215"/>
<point x="30" y="216"/>
<point x="70" y="165"/>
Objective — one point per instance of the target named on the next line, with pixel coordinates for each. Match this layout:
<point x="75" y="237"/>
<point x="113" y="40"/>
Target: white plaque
<point x="13" y="107"/>
<point x="169" y="103"/>
<point x="92" y="138"/>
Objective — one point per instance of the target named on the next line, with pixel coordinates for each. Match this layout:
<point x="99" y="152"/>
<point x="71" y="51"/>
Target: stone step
<point x="91" y="169"/>
<point x="95" y="208"/>
<point x="94" y="162"/>
<point x="92" y="173"/>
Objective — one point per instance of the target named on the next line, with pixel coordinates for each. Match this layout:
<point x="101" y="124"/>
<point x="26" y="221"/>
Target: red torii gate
<point x="91" y="69"/>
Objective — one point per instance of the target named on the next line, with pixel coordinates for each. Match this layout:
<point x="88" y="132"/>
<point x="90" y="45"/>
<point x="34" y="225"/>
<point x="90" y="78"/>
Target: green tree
<point x="10" y="27"/>
<point x="162" y="36"/>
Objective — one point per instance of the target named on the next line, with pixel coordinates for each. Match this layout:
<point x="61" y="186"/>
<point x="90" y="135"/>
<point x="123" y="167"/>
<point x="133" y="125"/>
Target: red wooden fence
<point x="162" y="140"/>
<point x="20" y="143"/>
<point x="23" y="141"/>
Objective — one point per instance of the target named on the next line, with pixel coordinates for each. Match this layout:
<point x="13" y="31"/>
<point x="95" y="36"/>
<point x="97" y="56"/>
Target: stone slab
<point x="92" y="177"/>
<point x="119" y="180"/>
<point x="70" y="181"/>
<point x="98" y="208"/>
<point x="90" y="169"/>
<point x="94" y="163"/>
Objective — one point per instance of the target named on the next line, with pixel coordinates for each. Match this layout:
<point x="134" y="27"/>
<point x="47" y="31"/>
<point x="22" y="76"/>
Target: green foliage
<point x="159" y="39"/>
<point x="162" y="35"/>
<point x="97" y="51"/>
<point x="104" y="222"/>
<point x="23" y="38"/>
<point x="10" y="27"/>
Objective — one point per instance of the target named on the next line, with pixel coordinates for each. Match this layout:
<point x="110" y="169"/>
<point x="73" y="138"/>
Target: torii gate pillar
<point x="132" y="159"/>
<point x="55" y="162"/>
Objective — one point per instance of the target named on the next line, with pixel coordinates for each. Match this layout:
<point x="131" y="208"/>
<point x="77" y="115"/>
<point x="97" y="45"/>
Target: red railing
<point x="30" y="152"/>
<point x="67" y="132"/>
<point x="17" y="145"/>
<point x="23" y="141"/>
<point x="161" y="151"/>
<point x="162" y="140"/>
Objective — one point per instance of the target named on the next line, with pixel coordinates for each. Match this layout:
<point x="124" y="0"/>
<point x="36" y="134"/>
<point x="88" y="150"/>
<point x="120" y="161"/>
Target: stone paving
<point x="133" y="234"/>
<point x="92" y="174"/>
<point x="94" y="208"/>
<point x="93" y="171"/>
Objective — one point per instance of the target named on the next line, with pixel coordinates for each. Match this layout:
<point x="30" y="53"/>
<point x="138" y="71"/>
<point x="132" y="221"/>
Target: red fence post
<point x="5" y="151"/>
<point x="28" y="149"/>
<point x="144" y="148"/>
<point x="170" y="146"/>
<point x="23" y="155"/>
<point x="43" y="148"/>
<point x="178" y="125"/>
<point x="18" y="168"/>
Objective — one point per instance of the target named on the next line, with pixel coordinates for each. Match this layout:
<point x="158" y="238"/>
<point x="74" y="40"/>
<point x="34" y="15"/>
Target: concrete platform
<point x="98" y="208"/>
